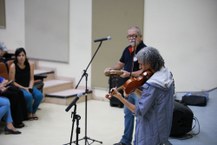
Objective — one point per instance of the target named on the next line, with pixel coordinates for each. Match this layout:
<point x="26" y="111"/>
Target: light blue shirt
<point x="155" y="109"/>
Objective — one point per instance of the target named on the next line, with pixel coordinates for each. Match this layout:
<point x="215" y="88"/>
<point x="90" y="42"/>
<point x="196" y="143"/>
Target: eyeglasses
<point x="132" y="36"/>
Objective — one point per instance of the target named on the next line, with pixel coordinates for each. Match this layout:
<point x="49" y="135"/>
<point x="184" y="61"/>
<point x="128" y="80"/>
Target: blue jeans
<point x="5" y="110"/>
<point x="129" y="120"/>
<point x="32" y="99"/>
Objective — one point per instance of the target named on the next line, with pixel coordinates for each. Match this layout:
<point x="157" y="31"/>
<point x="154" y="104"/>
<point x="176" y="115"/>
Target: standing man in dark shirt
<point x="128" y="63"/>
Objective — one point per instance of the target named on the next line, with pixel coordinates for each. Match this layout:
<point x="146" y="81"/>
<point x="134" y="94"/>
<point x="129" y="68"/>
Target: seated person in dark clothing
<point x="17" y="101"/>
<point x="4" y="54"/>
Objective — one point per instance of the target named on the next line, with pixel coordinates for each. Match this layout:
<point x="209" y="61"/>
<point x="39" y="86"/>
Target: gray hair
<point x="137" y="29"/>
<point x="150" y="55"/>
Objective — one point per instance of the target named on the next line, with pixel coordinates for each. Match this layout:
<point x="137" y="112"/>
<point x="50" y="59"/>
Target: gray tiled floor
<point x="208" y="123"/>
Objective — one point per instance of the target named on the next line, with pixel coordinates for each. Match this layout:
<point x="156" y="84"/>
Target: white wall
<point x="13" y="35"/>
<point x="184" y="31"/>
<point x="80" y="37"/>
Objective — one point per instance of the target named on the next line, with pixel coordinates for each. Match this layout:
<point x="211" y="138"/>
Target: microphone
<point x="74" y="101"/>
<point x="103" y="39"/>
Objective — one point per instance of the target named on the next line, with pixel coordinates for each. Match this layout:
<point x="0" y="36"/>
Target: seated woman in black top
<point x="22" y="73"/>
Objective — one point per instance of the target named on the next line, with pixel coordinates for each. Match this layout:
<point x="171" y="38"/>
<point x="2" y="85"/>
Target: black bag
<point x="195" y="99"/>
<point x="182" y="120"/>
<point x="115" y="81"/>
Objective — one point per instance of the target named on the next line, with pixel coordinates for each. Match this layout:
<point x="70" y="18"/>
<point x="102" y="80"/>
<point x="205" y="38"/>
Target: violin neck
<point x="120" y="88"/>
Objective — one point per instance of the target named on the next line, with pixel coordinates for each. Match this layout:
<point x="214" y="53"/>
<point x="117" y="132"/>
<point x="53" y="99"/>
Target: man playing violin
<point x="129" y="65"/>
<point x="154" y="109"/>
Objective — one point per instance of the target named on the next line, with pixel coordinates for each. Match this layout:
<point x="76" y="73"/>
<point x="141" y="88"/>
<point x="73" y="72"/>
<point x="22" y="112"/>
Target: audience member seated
<point x="17" y="101"/>
<point x="5" y="114"/>
<point x="4" y="54"/>
<point x="3" y="49"/>
<point x="22" y="73"/>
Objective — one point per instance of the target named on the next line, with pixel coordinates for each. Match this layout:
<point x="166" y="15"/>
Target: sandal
<point x="30" y="118"/>
<point x="34" y="117"/>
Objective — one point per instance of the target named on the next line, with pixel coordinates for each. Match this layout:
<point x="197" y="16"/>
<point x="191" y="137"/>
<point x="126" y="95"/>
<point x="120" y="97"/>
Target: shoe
<point x="10" y="131"/>
<point x="34" y="117"/>
<point x="30" y="118"/>
<point x="20" y="125"/>
<point x="120" y="143"/>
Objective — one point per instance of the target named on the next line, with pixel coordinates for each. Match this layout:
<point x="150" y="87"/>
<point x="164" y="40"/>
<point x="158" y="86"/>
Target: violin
<point x="133" y="83"/>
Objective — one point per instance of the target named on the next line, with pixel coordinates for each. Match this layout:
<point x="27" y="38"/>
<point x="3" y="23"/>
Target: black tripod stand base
<point x="90" y="139"/>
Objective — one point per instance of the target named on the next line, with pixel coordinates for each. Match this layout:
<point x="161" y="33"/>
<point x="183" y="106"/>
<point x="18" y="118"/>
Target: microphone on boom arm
<point x="74" y="101"/>
<point x="103" y="39"/>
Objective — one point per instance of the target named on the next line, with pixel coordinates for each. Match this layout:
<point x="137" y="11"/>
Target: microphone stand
<point x="77" y="118"/>
<point x="85" y="74"/>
